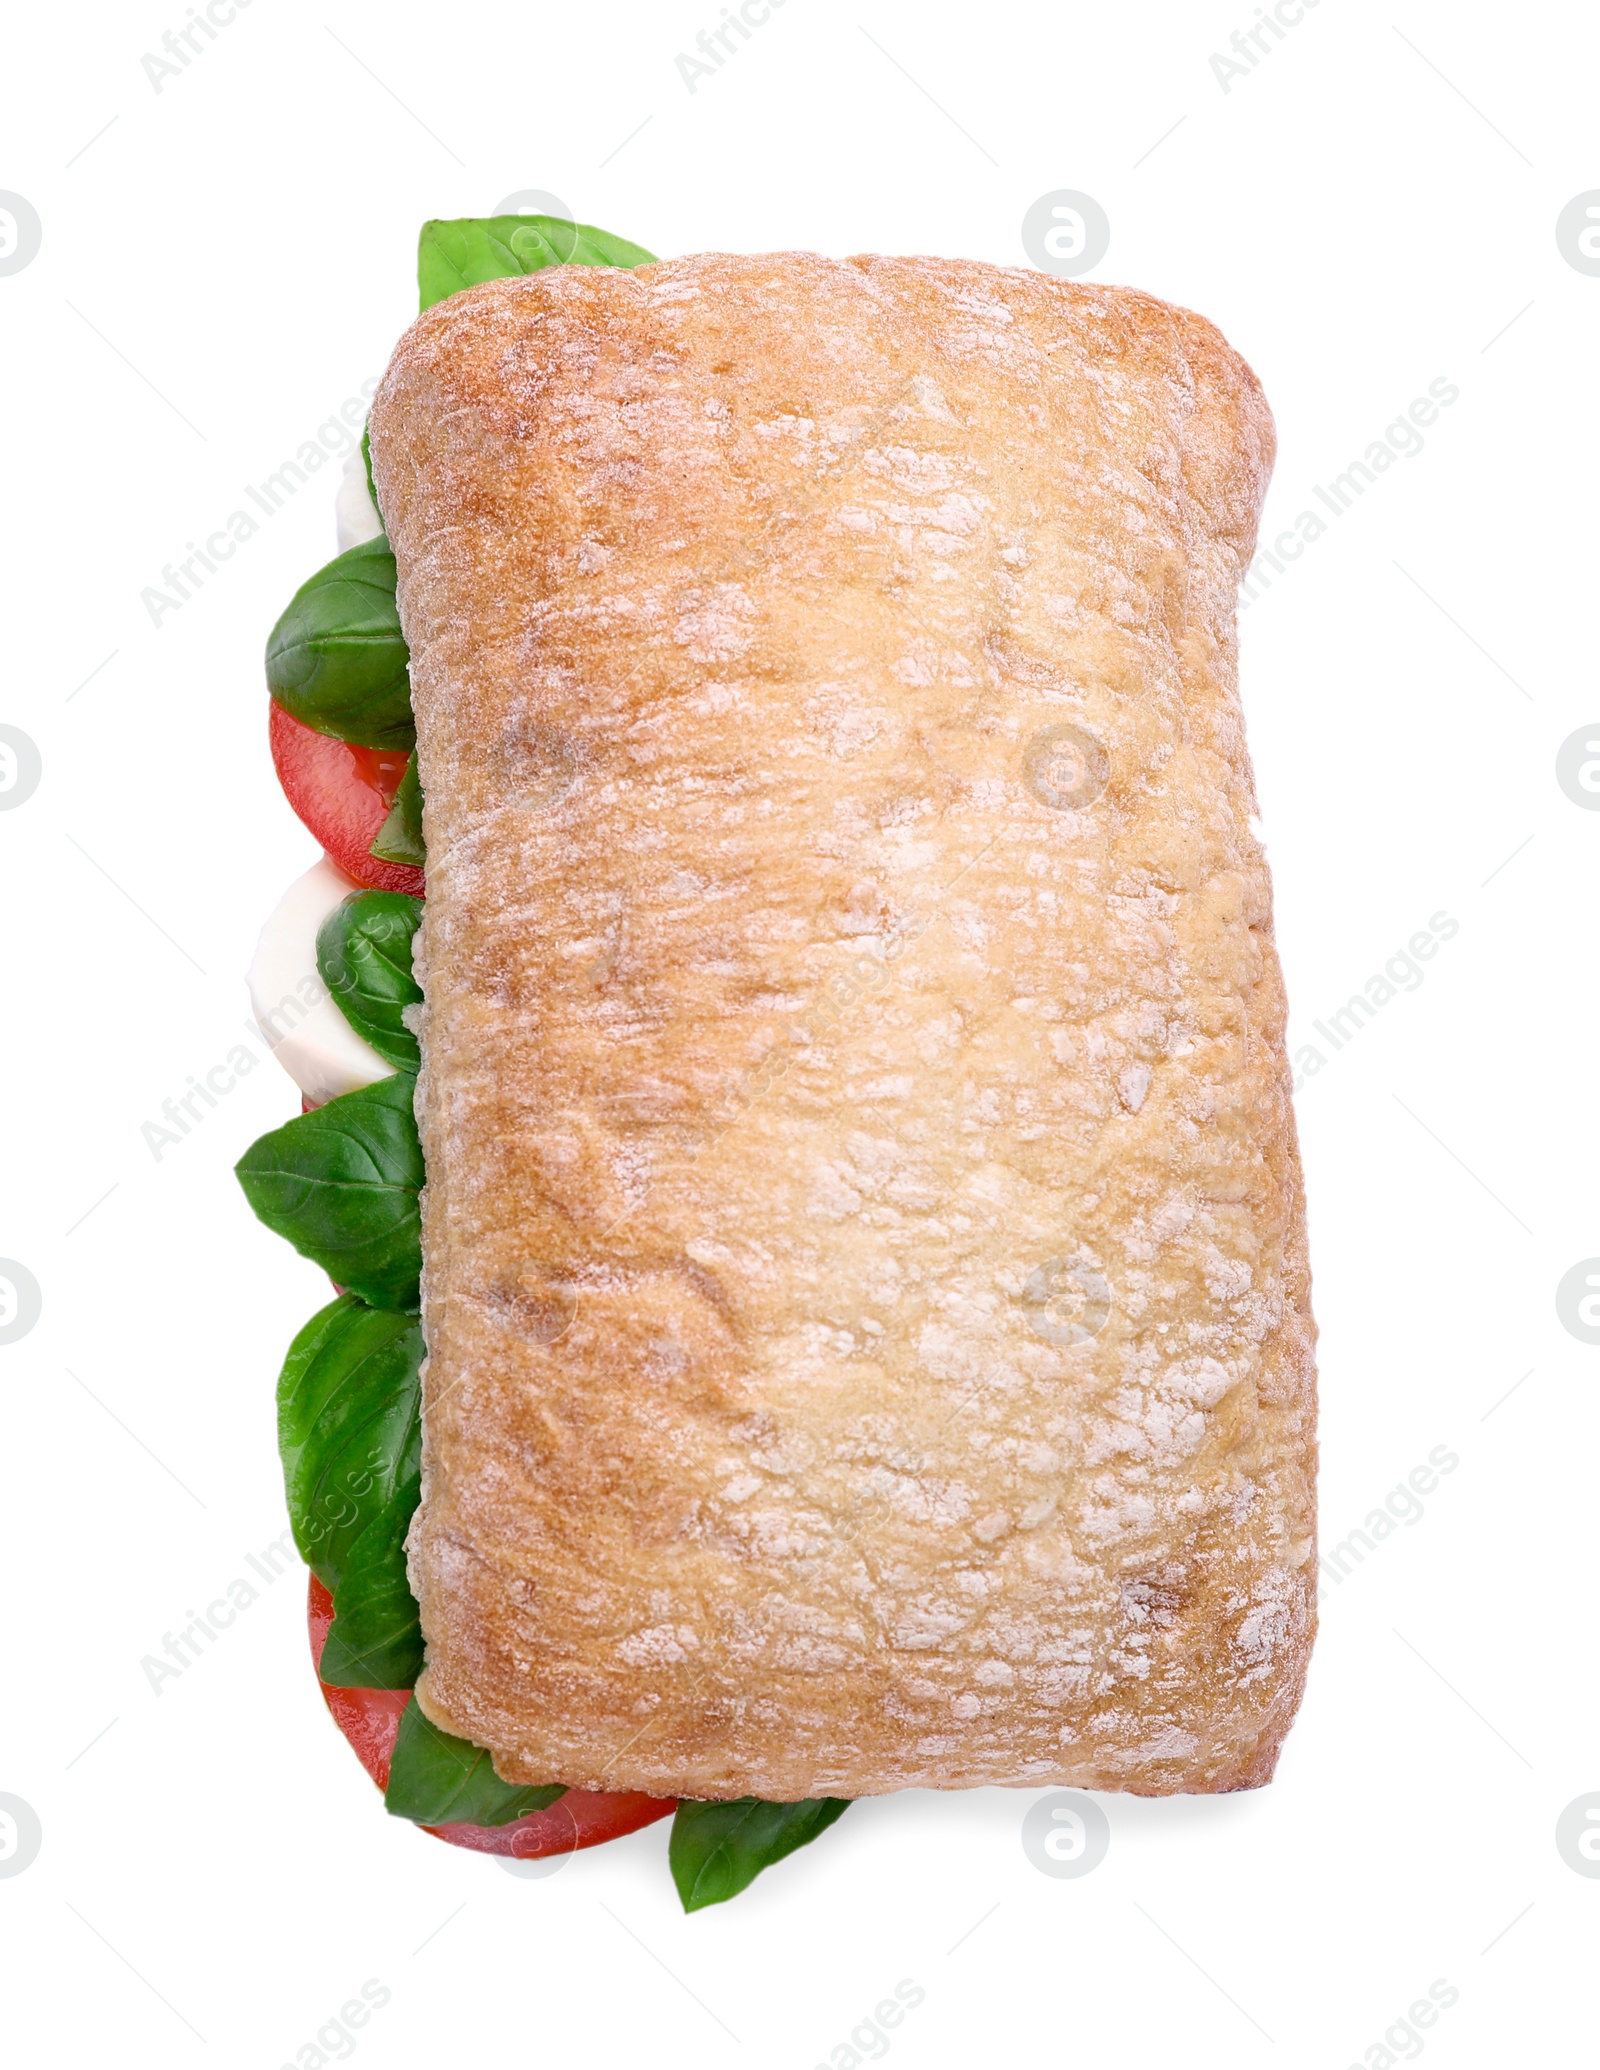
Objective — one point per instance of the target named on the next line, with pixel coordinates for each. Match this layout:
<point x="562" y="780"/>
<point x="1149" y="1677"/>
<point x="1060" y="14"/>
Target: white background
<point x="1367" y="210"/>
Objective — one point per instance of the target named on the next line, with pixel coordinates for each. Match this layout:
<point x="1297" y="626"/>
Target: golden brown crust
<point x="866" y="1294"/>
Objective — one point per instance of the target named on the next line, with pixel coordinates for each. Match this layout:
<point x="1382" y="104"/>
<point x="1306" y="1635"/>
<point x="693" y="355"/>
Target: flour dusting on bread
<point x="865" y="1281"/>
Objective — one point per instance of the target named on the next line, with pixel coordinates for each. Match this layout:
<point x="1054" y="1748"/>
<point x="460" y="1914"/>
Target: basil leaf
<point x="717" y="1850"/>
<point x="458" y="254"/>
<point x="364" y="959"/>
<point x="400" y="837"/>
<point x="439" y="1780"/>
<point x="350" y="1437"/>
<point x="337" y="658"/>
<point x="341" y="1183"/>
<point x="366" y="461"/>
<point x="348" y="1427"/>
<point x="376" y="1638"/>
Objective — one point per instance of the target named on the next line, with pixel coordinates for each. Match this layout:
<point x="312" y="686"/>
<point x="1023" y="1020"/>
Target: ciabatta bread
<point x="865" y="1288"/>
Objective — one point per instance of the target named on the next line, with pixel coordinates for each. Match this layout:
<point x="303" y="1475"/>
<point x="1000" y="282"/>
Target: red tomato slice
<point x="370" y="1720"/>
<point x="343" y="795"/>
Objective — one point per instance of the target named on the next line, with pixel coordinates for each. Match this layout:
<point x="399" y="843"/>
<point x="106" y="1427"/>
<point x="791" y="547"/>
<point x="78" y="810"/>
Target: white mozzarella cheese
<point x="294" y="1010"/>
<point x="355" y="513"/>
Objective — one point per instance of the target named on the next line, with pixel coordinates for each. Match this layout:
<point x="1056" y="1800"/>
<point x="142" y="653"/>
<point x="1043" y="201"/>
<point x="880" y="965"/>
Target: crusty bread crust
<point x="865" y="1289"/>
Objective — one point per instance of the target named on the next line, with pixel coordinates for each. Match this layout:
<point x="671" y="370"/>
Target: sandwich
<point x="797" y="1111"/>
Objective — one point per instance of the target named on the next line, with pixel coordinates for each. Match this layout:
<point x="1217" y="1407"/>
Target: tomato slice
<point x="343" y="795"/>
<point x="370" y="1720"/>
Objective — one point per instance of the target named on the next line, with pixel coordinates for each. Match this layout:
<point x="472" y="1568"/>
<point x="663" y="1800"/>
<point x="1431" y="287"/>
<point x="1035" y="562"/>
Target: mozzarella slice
<point x="355" y="513"/>
<point x="294" y="1010"/>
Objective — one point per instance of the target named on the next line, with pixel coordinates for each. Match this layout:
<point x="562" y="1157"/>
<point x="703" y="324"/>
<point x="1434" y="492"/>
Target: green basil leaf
<point x="350" y="1436"/>
<point x="337" y="658"/>
<point x="341" y="1183"/>
<point x="348" y="1427"/>
<point x="364" y="959"/>
<point x="717" y="1850"/>
<point x="439" y="1780"/>
<point x="376" y="1638"/>
<point x="400" y="837"/>
<point x="458" y="254"/>
<point x="366" y="461"/>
